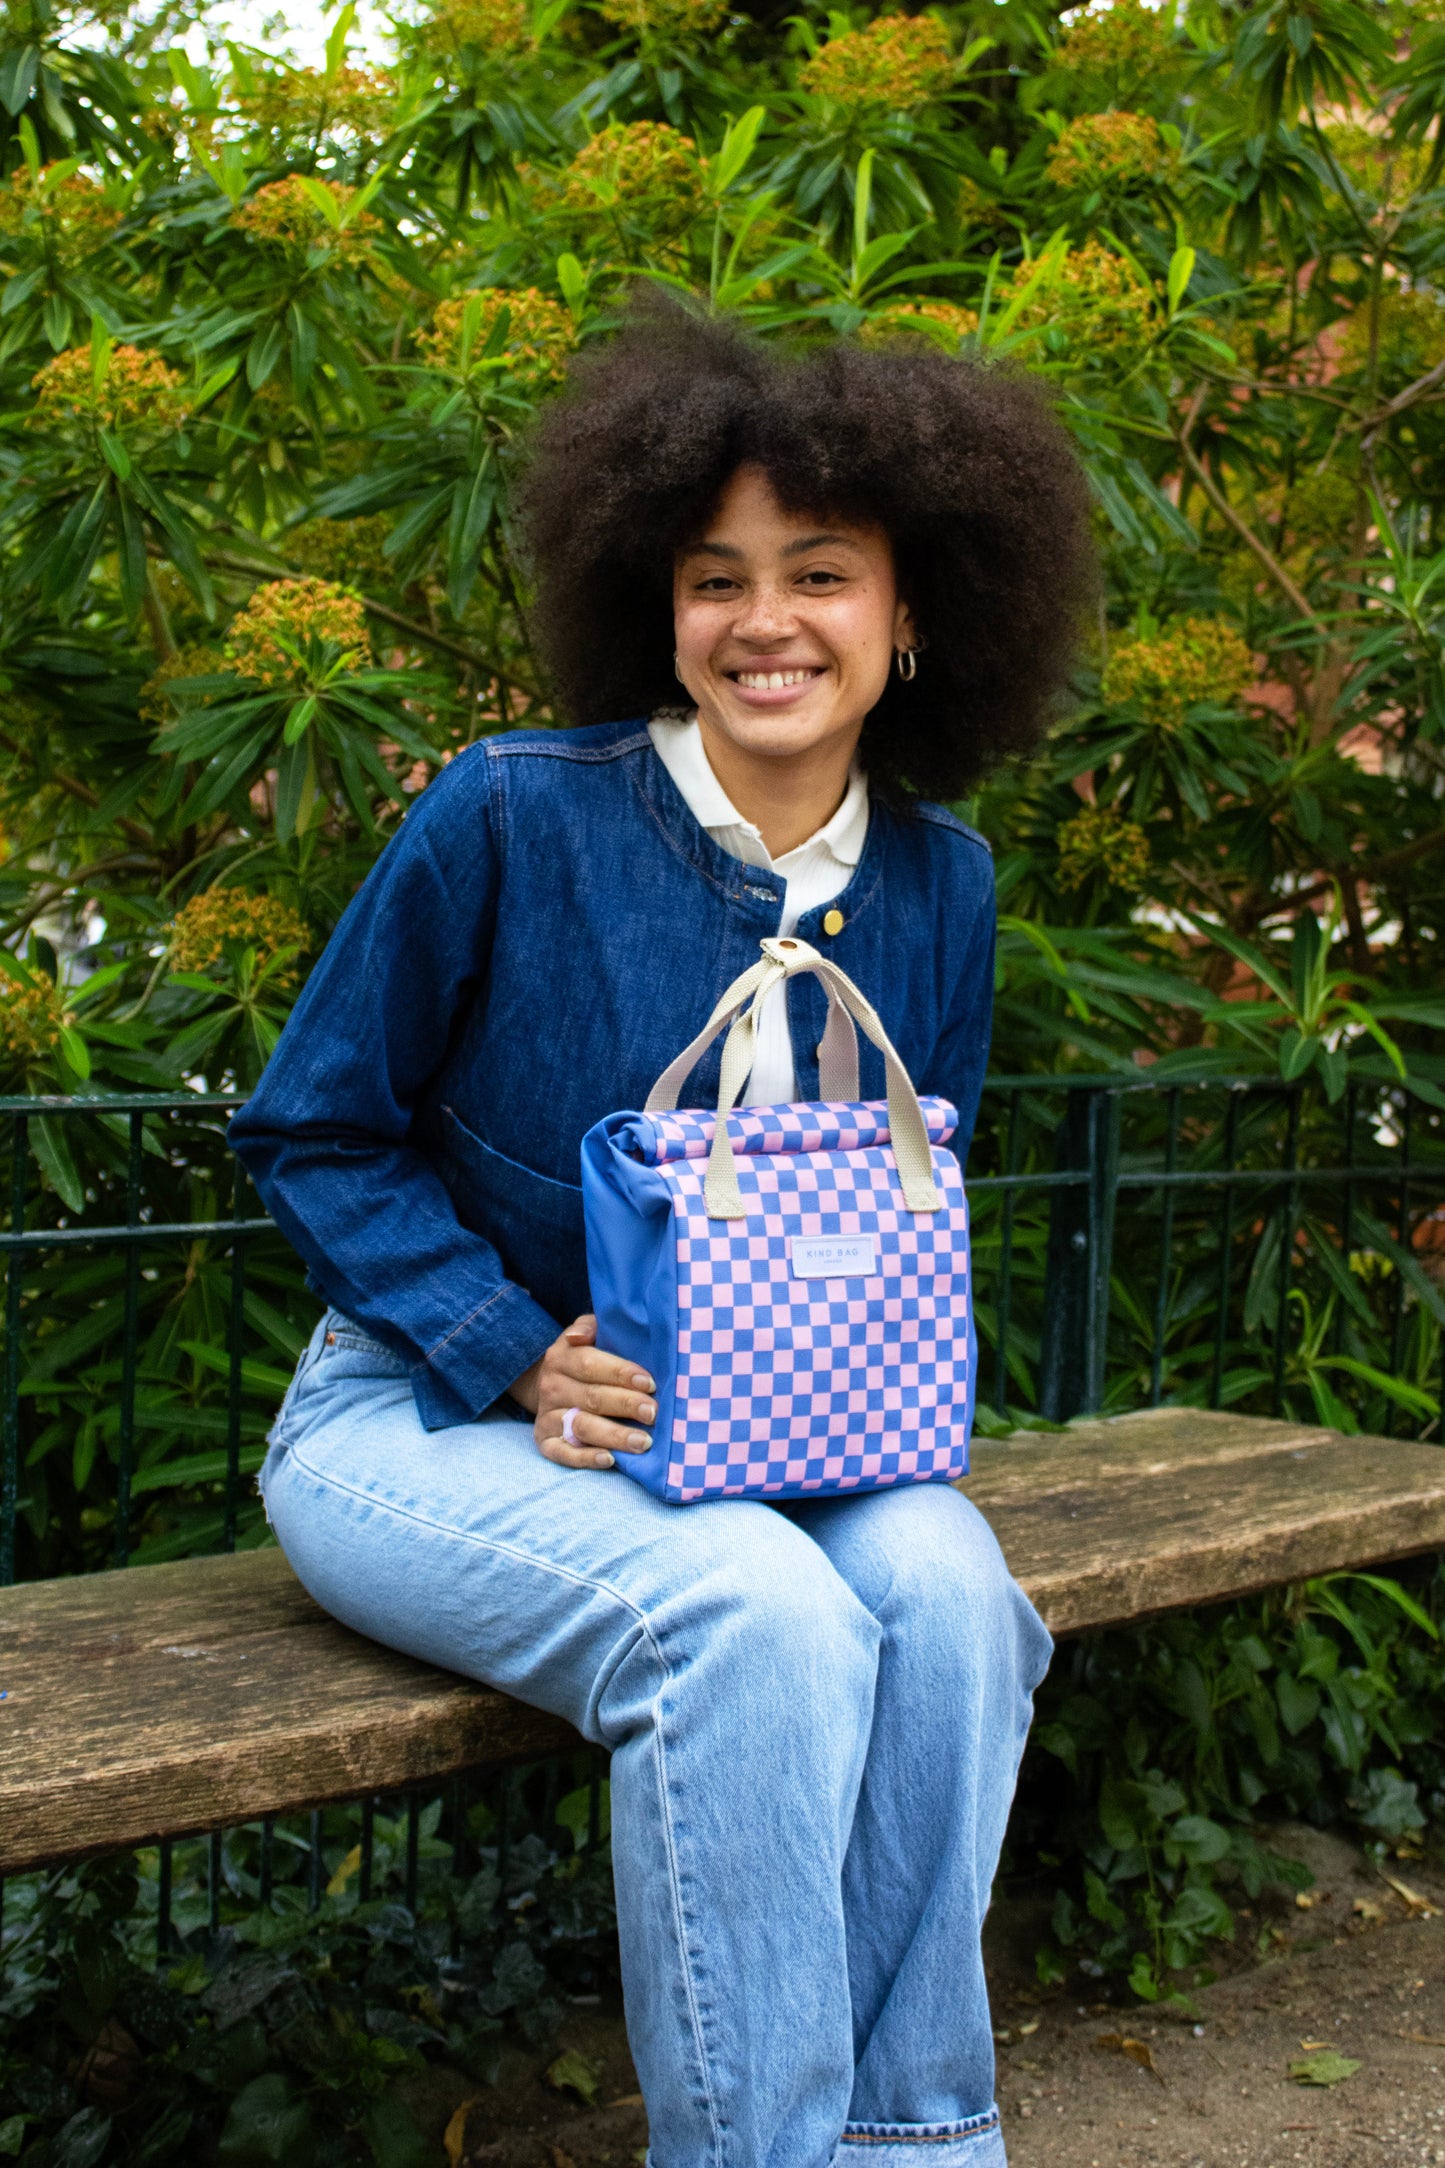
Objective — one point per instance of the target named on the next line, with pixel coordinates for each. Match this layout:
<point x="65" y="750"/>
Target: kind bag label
<point x="833" y="1257"/>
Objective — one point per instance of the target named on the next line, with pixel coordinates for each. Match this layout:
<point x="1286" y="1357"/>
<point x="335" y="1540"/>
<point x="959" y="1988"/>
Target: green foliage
<point x="278" y="2030"/>
<point x="271" y="336"/>
<point x="1157" y="1751"/>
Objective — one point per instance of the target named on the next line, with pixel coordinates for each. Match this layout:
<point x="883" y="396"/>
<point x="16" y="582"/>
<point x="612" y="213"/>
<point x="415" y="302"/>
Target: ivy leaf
<point x="573" y="2073"/>
<point x="1327" y="2068"/>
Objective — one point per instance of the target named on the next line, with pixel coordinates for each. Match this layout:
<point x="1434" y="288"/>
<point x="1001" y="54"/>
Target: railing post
<point x="1080" y="1257"/>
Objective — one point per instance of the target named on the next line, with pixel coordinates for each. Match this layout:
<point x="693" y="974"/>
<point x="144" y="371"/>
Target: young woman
<point x="851" y="579"/>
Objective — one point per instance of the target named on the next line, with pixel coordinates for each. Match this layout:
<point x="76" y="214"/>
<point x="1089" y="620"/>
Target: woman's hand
<point x="611" y="1396"/>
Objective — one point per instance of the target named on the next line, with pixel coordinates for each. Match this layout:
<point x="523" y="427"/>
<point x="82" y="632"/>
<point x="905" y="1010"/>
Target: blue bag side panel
<point x="970" y="1399"/>
<point x="970" y="1389"/>
<point x="632" y="1272"/>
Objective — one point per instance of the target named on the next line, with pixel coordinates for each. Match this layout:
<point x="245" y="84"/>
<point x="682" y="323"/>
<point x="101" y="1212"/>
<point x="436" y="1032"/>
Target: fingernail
<point x="643" y="1382"/>
<point x="605" y="1460"/>
<point x="638" y="1441"/>
<point x="646" y="1412"/>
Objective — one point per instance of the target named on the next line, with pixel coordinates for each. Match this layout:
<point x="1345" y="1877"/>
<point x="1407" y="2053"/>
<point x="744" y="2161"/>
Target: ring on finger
<point x="569" y="1417"/>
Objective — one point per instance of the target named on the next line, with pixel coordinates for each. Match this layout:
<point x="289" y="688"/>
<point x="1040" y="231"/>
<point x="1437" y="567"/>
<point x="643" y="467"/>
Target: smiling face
<point x="786" y="624"/>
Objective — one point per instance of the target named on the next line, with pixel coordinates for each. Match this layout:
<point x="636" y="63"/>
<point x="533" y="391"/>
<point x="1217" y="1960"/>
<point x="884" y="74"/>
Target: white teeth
<point x="773" y="681"/>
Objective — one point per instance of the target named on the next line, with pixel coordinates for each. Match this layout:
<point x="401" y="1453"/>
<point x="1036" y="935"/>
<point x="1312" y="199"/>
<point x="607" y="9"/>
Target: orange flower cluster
<point x="540" y="333"/>
<point x="195" y="659"/>
<point x="1411" y="335"/>
<point x="1108" y="151"/>
<point x="669" y="22"/>
<point x="976" y="207"/>
<point x="1102" y="305"/>
<point x="70" y="213"/>
<point x="351" y="551"/>
<point x="30" y="1022"/>
<point x="205" y="927"/>
<point x="1100" y="840"/>
<point x="291" y="614"/>
<point x="641" y="168"/>
<point x="941" y="323"/>
<point x="1193" y="660"/>
<point x="1320" y="508"/>
<point x="494" y="27"/>
<point x="1123" y="42"/>
<point x="897" y="61"/>
<point x="307" y="102"/>
<point x="137" y="390"/>
<point x="283" y="215"/>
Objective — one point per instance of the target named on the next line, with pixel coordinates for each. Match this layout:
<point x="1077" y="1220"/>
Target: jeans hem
<point x="976" y="2142"/>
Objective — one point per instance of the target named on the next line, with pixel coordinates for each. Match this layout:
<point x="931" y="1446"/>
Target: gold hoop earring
<point x="907" y="661"/>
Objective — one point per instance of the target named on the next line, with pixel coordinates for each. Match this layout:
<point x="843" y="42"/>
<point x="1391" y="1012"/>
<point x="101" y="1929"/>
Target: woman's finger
<point x="592" y="1367"/>
<point x="573" y="1456"/>
<point x="597" y="1432"/>
<point x="604" y="1400"/>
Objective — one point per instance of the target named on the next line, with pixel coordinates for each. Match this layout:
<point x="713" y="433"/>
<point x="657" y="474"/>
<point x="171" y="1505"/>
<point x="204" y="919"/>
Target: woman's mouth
<point x="773" y="681"/>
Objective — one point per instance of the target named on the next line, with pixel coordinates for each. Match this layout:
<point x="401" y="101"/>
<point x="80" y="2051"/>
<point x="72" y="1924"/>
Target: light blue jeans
<point x="815" y="1715"/>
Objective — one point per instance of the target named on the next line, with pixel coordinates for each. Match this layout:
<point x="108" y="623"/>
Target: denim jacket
<point x="545" y="931"/>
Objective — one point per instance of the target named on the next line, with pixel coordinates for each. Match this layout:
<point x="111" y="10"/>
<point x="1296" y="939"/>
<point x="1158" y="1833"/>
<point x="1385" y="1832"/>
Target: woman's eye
<point x="820" y="578"/>
<point x="719" y="584"/>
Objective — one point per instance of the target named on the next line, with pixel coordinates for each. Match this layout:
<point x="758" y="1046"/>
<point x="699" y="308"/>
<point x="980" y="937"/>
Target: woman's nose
<point x="765" y="615"/>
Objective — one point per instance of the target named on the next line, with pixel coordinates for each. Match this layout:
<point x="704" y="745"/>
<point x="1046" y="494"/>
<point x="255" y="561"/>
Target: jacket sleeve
<point x="955" y="1069"/>
<point x="326" y="1135"/>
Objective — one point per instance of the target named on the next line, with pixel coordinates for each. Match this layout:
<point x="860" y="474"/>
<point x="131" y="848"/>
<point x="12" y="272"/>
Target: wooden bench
<point x="172" y="1699"/>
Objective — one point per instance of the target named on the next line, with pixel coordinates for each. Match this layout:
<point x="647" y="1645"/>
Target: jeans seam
<point x="680" y="1912"/>
<point x="547" y="1565"/>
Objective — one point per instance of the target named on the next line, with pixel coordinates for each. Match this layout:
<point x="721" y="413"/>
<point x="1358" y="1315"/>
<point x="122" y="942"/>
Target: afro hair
<point x="961" y="464"/>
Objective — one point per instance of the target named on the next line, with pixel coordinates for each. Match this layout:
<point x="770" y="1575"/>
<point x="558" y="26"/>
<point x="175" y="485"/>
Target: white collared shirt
<point x="813" y="872"/>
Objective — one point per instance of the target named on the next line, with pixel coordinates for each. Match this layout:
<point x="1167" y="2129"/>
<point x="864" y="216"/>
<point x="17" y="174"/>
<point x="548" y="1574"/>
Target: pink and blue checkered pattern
<point x="788" y="1387"/>
<point x="823" y="1126"/>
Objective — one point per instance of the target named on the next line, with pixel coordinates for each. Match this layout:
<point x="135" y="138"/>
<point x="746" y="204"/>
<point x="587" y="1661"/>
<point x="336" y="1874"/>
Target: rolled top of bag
<point x="818" y="1126"/>
<point x="783" y="958"/>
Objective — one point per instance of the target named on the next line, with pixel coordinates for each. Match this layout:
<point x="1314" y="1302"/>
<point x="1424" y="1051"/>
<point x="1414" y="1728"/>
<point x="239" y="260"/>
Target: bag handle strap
<point x="740" y="1007"/>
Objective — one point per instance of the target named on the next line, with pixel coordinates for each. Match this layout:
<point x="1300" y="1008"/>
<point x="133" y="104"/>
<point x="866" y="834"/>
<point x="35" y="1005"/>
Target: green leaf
<point x="1326" y="2068"/>
<point x="1199" y="1840"/>
<point x="263" y="353"/>
<point x="52" y="1152"/>
<point x="12" y="2135"/>
<point x="573" y="281"/>
<point x="75" y="1051"/>
<point x="81" y="2142"/>
<point x="1299" y="1703"/>
<point x="299" y="719"/>
<point x="736" y="149"/>
<point x="18" y="71"/>
<point x="266" y="2123"/>
<point x="573" y="2072"/>
<point x="1181" y="271"/>
<point x="862" y="203"/>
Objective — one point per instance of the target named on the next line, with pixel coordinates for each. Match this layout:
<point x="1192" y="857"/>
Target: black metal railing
<point x="1120" y="1230"/>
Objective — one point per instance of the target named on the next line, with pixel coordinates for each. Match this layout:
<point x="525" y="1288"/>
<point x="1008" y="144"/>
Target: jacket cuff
<point x="476" y="1362"/>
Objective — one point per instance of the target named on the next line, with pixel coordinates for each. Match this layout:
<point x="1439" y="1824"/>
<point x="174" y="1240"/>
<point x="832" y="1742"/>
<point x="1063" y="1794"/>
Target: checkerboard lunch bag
<point x="795" y="1278"/>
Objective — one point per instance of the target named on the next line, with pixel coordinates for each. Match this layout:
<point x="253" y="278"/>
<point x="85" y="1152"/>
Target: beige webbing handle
<point x="740" y="1005"/>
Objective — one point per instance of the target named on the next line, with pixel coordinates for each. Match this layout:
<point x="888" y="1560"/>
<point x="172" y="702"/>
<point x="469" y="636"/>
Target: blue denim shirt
<point x="548" y="927"/>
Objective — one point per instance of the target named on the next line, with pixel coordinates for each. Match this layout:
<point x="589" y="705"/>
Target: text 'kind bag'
<point x="795" y="1278"/>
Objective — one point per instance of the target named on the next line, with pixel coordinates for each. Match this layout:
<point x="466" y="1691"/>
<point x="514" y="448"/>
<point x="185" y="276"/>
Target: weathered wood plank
<point x="1099" y="1539"/>
<point x="179" y="1697"/>
<point x="208" y="1715"/>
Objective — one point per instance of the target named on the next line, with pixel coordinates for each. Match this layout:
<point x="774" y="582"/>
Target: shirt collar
<point x="680" y="748"/>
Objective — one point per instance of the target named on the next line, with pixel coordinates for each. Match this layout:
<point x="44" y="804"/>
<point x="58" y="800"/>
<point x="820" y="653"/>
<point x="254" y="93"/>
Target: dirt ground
<point x="1359" y="1970"/>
